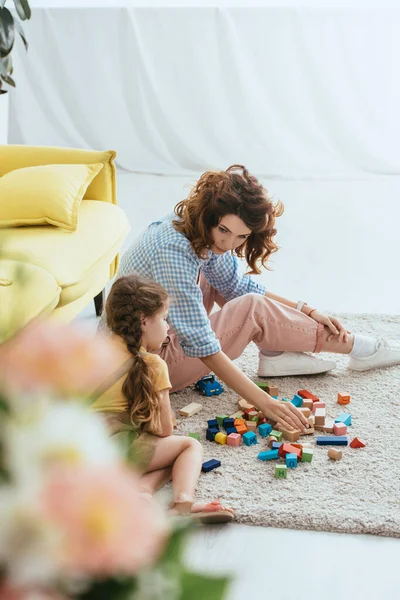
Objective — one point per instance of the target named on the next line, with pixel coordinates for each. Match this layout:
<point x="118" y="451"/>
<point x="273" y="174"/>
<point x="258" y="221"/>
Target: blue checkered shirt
<point x="163" y="254"/>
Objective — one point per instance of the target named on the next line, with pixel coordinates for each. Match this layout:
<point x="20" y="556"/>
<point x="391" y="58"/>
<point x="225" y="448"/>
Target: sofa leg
<point x="99" y="302"/>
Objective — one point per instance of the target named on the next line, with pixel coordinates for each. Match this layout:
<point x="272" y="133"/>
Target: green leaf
<point x="20" y="30"/>
<point x="4" y="406"/>
<point x="115" y="589"/>
<point x="175" y="547"/>
<point x="7" y="32"/>
<point x="8" y="80"/>
<point x="23" y="9"/>
<point x="198" y="587"/>
<point x="6" y="67"/>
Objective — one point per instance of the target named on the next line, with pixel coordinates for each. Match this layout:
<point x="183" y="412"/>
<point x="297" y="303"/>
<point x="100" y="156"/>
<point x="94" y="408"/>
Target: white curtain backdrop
<point x="287" y="91"/>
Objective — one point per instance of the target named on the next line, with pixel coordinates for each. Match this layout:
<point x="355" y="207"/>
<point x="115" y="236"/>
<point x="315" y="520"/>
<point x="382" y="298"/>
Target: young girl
<point x="193" y="255"/>
<point x="135" y="399"/>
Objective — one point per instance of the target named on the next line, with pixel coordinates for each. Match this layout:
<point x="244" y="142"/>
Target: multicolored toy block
<point x="335" y="454"/>
<point x="252" y="415"/>
<point x="268" y="455"/>
<point x="297" y="400"/>
<point x="234" y="439"/>
<point x="291" y="461"/>
<point x="308" y="395"/>
<point x="343" y="398"/>
<point x="213" y="423"/>
<point x="190" y="409"/>
<point x="332" y="440"/>
<point x="196" y="436"/>
<point x="209" y="465"/>
<point x="271" y="439"/>
<point x="264" y="429"/>
<point x="211" y="433"/>
<point x="357" y="443"/>
<point x="340" y="429"/>
<point x="276" y="434"/>
<point x="220" y="438"/>
<point x="344" y="418"/>
<point x="281" y="471"/>
<point x="307" y="455"/>
<point x="220" y="419"/>
<point x="250" y="438"/>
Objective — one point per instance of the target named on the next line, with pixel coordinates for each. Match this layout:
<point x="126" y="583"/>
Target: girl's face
<point x="230" y="233"/>
<point x="155" y="330"/>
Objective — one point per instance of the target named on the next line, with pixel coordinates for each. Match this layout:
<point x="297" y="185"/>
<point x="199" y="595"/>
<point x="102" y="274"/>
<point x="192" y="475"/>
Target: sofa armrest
<point x="103" y="186"/>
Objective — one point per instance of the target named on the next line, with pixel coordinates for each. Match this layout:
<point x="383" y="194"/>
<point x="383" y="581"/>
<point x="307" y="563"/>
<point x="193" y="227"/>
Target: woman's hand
<point x="332" y="323"/>
<point x="284" y="413"/>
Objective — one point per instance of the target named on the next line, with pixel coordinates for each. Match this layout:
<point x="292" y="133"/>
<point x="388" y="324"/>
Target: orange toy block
<point x="300" y="447"/>
<point x="238" y="422"/>
<point x="343" y="398"/>
<point x="357" y="443"/>
<point x="335" y="454"/>
<point x="308" y="395"/>
<point x="289" y="449"/>
<point x="241" y="429"/>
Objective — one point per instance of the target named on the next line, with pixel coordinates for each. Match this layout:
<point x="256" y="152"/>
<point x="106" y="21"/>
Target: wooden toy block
<point x="289" y="449"/>
<point x="237" y="415"/>
<point x="306" y="411"/>
<point x="230" y="430"/>
<point x="307" y="455"/>
<point x="250" y="438"/>
<point x="299" y="447"/>
<point x="228" y="423"/>
<point x="344" y="418"/>
<point x="320" y="415"/>
<point x="332" y="440"/>
<point x="291" y="461"/>
<point x="311" y="420"/>
<point x="277" y="434"/>
<point x="264" y="429"/>
<point x="291" y="435"/>
<point x="238" y="422"/>
<point x="318" y="405"/>
<point x="335" y="454"/>
<point x="273" y="390"/>
<point x="321" y="428"/>
<point x="190" y="409"/>
<point x="308" y="395"/>
<point x="220" y="419"/>
<point x="297" y="400"/>
<point x="241" y="429"/>
<point x="307" y="403"/>
<point x="271" y="439"/>
<point x="213" y="423"/>
<point x="343" y="398"/>
<point x="308" y="431"/>
<point x="251" y="425"/>
<point x="244" y="405"/>
<point x="209" y="465"/>
<point x="328" y="427"/>
<point x="220" y="438"/>
<point x="263" y="385"/>
<point x="357" y="443"/>
<point x="268" y="455"/>
<point x="233" y="439"/>
<point x="252" y="415"/>
<point x="196" y="436"/>
<point x="340" y="429"/>
<point x="211" y="433"/>
<point x="280" y="471"/>
<point x="276" y="445"/>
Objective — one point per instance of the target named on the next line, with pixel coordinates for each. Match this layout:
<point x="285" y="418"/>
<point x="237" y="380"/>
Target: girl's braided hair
<point x="131" y="298"/>
<point x="234" y="191"/>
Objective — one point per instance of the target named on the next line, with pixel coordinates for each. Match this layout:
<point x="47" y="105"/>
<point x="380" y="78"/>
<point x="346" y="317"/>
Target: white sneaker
<point x="292" y="363"/>
<point x="386" y="355"/>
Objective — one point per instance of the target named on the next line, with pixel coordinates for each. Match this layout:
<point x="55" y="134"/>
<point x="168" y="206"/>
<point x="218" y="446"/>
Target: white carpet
<point x="359" y="494"/>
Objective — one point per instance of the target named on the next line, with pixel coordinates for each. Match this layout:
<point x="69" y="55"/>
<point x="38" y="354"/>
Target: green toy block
<point x="307" y="455"/>
<point x="285" y="400"/>
<point x="277" y="434"/>
<point x="281" y="471"/>
<point x="262" y="385"/>
<point x="196" y="436"/>
<point x="220" y="419"/>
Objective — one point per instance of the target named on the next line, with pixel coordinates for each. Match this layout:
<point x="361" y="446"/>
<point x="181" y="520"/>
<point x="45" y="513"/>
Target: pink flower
<point x="9" y="592"/>
<point x="50" y="356"/>
<point x="107" y="526"/>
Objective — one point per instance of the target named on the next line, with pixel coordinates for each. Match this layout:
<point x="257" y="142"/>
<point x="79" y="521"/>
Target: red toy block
<point x="308" y="395"/>
<point x="289" y="449"/>
<point x="343" y="398"/>
<point x="357" y="443"/>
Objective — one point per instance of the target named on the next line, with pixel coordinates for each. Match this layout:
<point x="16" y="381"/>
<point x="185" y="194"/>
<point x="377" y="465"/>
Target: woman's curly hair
<point x="234" y="191"/>
<point x="130" y="299"/>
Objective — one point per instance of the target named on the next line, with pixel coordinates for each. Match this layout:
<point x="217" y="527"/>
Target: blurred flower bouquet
<point x="73" y="523"/>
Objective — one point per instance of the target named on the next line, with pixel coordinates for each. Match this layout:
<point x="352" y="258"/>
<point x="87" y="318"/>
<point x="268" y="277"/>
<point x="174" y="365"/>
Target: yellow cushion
<point x="75" y="259"/>
<point x="26" y="291"/>
<point x="47" y="194"/>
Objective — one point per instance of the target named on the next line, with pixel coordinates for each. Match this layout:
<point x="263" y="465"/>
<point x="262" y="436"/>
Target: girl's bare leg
<point x="151" y="482"/>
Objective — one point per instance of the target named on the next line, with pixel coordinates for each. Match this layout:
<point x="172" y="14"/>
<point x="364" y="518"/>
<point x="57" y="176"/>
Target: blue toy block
<point x="211" y="433"/>
<point x="344" y="418"/>
<point x="276" y="397"/>
<point x="228" y="423"/>
<point x="264" y="429"/>
<point x="210" y="465"/>
<point x="213" y="423"/>
<point x="268" y="455"/>
<point x="332" y="440"/>
<point x="249" y="438"/>
<point x="291" y="460"/>
<point x="297" y="400"/>
<point x="230" y="430"/>
<point x="276" y="445"/>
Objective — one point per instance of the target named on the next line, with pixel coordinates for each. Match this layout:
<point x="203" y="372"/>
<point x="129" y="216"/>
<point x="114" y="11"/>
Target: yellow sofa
<point x="64" y="270"/>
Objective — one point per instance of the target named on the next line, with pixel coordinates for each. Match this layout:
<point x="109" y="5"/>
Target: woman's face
<point x="230" y="233"/>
